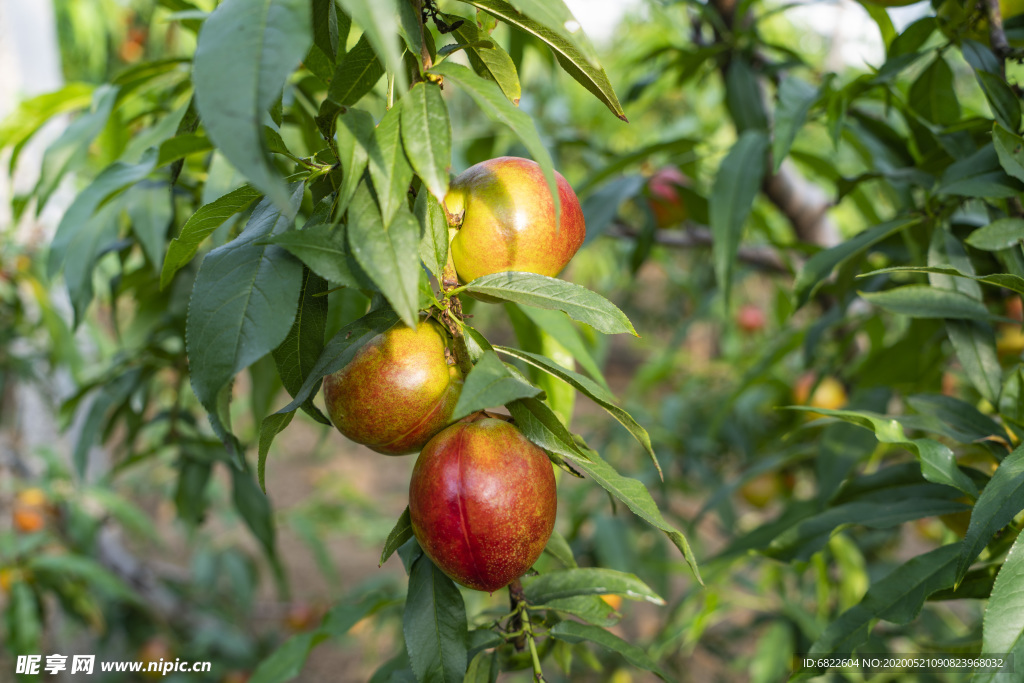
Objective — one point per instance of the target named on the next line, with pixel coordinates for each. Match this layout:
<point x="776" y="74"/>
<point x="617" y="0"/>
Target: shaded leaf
<point x="732" y="196"/>
<point x="297" y="354"/>
<point x="200" y="226"/>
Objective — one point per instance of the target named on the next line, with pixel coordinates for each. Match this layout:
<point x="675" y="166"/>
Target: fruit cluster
<point x="482" y="498"/>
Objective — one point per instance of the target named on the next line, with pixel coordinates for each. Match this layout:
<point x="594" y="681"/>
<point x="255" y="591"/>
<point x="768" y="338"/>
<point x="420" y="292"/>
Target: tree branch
<point x="997" y="36"/>
<point x="697" y="237"/>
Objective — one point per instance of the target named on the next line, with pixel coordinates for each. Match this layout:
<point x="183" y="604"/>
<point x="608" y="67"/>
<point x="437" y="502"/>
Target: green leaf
<point x="271" y="426"/>
<point x="1005" y="105"/>
<point x="531" y="289"/>
<point x="200" y="226"/>
<point x="483" y="668"/>
<point x="434" y="224"/>
<point x="323" y="249"/>
<point x="1002" y="233"/>
<point x="23" y="620"/>
<point x="32" y="113"/>
<point x="254" y="507"/>
<point x="246" y="51"/>
<point x="298" y="353"/>
<point x="491" y="62"/>
<point x="1009" y="150"/>
<point x="1012" y="282"/>
<point x="149" y="209"/>
<point x="999" y="502"/>
<point x="821" y="265"/>
<point x="960" y="419"/>
<point x="924" y="301"/>
<point x="71" y="230"/>
<point x="72" y="144"/>
<point x="559" y="327"/>
<point x="881" y="18"/>
<point x="743" y="96"/>
<point x="389" y="255"/>
<point x="638" y="499"/>
<point x="799" y="541"/>
<point x="65" y="566"/>
<point x="973" y="340"/>
<point x="590" y="389"/>
<point x="379" y="21"/>
<point x="574" y="632"/>
<point x="932" y="95"/>
<point x="897" y="598"/>
<point x="938" y="463"/>
<point x="398" y="536"/>
<point x="325" y="27"/>
<point x="355" y="135"/>
<point x="979" y="175"/>
<point x="543" y="588"/>
<point x="795" y="100"/>
<point x="434" y="625"/>
<point x="89" y="225"/>
<point x="602" y="206"/>
<point x="559" y="548"/>
<point x="427" y="136"/>
<point x="490" y="384"/>
<point x="974" y="343"/>
<point x="732" y="196"/>
<point x="190" y="499"/>
<point x="590" y="608"/>
<point x="355" y="75"/>
<point x="340" y="350"/>
<point x="287" y="661"/>
<point x="548" y="21"/>
<point x="1003" y="626"/>
<point x="111" y="395"/>
<point x="389" y="166"/>
<point x="243" y="303"/>
<point x="181" y="146"/>
<point x="539" y="424"/>
<point x="492" y="101"/>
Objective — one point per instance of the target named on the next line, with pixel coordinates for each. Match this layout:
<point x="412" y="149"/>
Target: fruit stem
<point x="452" y="316"/>
<point x="538" y="673"/>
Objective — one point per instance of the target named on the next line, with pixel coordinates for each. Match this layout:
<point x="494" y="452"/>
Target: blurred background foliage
<point x="708" y="385"/>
